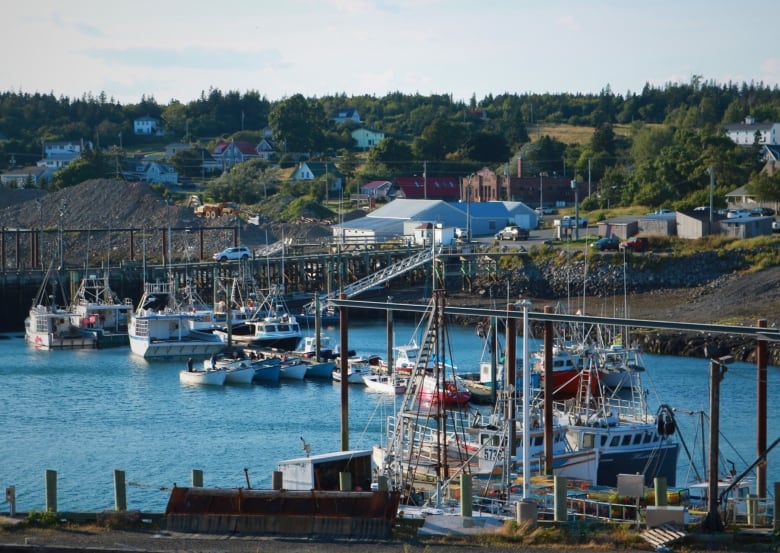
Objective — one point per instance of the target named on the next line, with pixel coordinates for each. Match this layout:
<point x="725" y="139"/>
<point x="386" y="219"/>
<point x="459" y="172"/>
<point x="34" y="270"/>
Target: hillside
<point x="114" y="204"/>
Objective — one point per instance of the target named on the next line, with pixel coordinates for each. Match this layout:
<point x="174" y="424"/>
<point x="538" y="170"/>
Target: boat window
<point x="588" y="441"/>
<point x="648" y="437"/>
<point x="490" y="440"/>
<point x="538" y="441"/>
<point x="627" y="439"/>
<point x="603" y="441"/>
<point x="637" y="439"/>
<point x="615" y="441"/>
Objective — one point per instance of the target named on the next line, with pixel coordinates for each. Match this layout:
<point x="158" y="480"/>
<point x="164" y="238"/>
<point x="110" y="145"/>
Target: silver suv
<point x="229" y="254"/>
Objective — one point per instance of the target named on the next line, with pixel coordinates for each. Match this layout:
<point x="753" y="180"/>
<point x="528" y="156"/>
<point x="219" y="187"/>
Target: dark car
<point x="635" y="243"/>
<point x="606" y="243"/>
<point x="762" y="212"/>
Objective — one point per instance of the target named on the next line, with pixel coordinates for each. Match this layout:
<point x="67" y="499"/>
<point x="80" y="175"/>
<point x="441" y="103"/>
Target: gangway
<point x="380" y="277"/>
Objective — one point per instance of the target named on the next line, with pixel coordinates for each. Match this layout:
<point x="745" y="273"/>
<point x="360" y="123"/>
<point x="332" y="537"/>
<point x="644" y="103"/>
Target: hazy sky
<point x="172" y="49"/>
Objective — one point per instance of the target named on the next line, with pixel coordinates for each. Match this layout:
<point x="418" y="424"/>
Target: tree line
<point x="671" y="137"/>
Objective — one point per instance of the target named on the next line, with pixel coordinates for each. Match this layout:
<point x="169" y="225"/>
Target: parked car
<point x="762" y="212"/>
<point x="635" y="243"/>
<point x="775" y="226"/>
<point x="737" y="213"/>
<point x="546" y="210"/>
<point x="568" y="221"/>
<point x="606" y="243"/>
<point x="512" y="232"/>
<point x="231" y="254"/>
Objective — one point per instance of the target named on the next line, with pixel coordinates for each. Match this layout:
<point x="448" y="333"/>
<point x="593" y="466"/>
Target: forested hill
<point x="654" y="147"/>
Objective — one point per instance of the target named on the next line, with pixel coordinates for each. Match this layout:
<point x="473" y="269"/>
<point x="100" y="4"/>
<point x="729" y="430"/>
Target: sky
<point x="176" y="50"/>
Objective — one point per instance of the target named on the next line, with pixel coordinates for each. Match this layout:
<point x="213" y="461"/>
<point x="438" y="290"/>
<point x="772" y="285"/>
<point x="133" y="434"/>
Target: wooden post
<point x="559" y="499"/>
<point x="761" y="405"/>
<point x="549" y="437"/>
<point x="51" y="491"/>
<point x="277" y="480"/>
<point x="120" y="491"/>
<point x="712" y="521"/>
<point x="465" y="495"/>
<point x="197" y="478"/>
<point x="659" y="483"/>
<point x="345" y="481"/>
<point x="511" y="378"/>
<point x="344" y="367"/>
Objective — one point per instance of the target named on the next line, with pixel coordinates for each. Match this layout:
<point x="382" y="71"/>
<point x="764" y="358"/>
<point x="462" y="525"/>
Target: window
<point x="588" y="441"/>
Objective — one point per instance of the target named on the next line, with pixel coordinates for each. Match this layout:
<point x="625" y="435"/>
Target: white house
<point x="346" y="114"/>
<point x="310" y="170"/>
<point x="749" y="132"/>
<point x="367" y="138"/>
<point x="23" y="176"/>
<point x="153" y="172"/>
<point x="146" y="125"/>
<point x="57" y="155"/>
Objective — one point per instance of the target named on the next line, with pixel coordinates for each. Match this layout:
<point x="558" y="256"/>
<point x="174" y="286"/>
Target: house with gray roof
<point x="749" y="132"/>
<point x="393" y="219"/>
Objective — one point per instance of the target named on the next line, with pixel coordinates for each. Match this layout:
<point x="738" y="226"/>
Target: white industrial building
<point x="398" y="219"/>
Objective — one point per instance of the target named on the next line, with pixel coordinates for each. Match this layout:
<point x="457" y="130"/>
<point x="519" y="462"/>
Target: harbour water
<point x="87" y="413"/>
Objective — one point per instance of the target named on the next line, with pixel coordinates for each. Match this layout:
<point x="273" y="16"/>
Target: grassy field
<point x="570" y="134"/>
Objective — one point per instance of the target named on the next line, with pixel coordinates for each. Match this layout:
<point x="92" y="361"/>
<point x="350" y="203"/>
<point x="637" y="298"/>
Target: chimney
<point x="519" y="167"/>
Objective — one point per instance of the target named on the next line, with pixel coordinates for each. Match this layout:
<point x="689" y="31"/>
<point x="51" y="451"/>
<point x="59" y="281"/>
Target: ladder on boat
<point x="380" y="277"/>
<point x="408" y="446"/>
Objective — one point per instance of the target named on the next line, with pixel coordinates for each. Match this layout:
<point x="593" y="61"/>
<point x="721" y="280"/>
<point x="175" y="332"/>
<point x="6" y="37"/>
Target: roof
<point x="433" y="187"/>
<point x="406" y="209"/>
<point x="748" y="126"/>
<point x="374" y="184"/>
<point x="317" y="168"/>
<point x="146" y="118"/>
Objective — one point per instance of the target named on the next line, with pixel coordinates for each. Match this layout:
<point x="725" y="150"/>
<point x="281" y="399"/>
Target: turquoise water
<point x="87" y="413"/>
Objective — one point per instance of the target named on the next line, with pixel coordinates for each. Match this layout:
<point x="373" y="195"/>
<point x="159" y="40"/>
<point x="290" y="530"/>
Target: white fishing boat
<point x="357" y="368"/>
<point x="48" y="325"/>
<point x="98" y="313"/>
<point x="203" y="377"/>
<point x="384" y="384"/>
<point x="159" y="329"/>
<point x="237" y="371"/>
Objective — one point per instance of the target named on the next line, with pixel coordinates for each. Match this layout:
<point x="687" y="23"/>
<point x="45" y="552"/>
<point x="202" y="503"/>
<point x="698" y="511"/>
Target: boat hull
<point x="656" y="462"/>
<point x="214" y="377"/>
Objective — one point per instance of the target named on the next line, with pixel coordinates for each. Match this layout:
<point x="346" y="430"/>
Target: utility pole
<point x="712" y="521"/>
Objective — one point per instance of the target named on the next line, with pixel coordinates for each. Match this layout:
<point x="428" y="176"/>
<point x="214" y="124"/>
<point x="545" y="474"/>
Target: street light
<point x="576" y="209"/>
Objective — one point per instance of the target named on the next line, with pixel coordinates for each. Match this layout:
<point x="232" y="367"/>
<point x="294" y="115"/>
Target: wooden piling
<point x="197" y="478"/>
<point x="51" y="491"/>
<point x="120" y="491"/>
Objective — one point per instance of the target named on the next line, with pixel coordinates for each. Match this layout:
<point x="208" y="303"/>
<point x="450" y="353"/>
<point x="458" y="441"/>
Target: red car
<point x="635" y="243"/>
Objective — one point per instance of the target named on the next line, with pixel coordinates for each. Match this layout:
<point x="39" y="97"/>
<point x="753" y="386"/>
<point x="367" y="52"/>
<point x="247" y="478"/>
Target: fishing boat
<point x="48" y="324"/>
<point x="270" y="325"/>
<point x="292" y="369"/>
<point x="357" y="367"/>
<point x="619" y="426"/>
<point x="160" y="329"/>
<point x="203" y="377"/>
<point x="99" y="314"/>
<point x="384" y="384"/>
<point x="267" y="370"/>
<point x="319" y="369"/>
<point x="237" y="370"/>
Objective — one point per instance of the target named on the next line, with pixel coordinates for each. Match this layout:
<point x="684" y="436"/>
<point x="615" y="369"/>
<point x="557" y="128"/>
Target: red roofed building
<point x="430" y="188"/>
<point x="228" y="154"/>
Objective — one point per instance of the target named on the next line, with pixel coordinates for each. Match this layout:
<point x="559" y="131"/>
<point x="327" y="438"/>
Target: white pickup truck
<point x="568" y="221"/>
